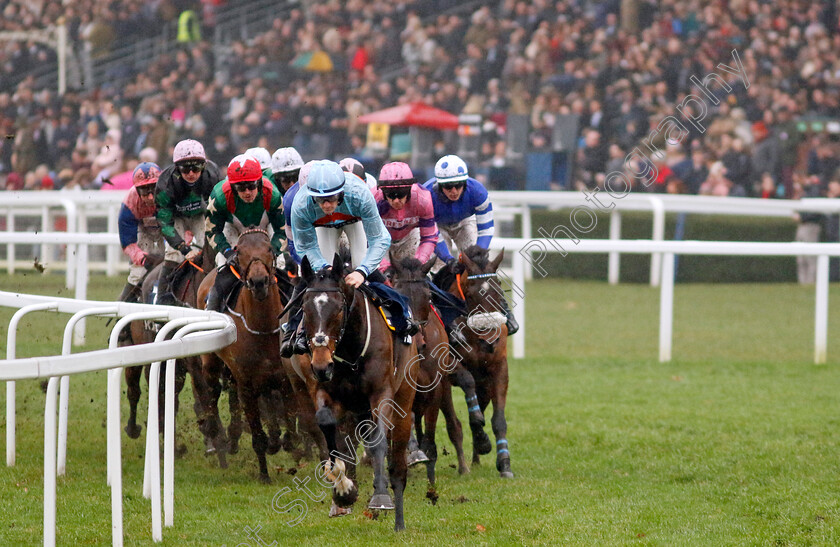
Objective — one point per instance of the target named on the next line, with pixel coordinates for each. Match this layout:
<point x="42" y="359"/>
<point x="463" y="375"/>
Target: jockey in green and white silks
<point x="240" y="201"/>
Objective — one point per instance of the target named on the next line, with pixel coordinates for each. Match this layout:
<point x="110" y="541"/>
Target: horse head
<point x="410" y="279"/>
<point x="256" y="260"/>
<point x="479" y="286"/>
<point x="326" y="305"/>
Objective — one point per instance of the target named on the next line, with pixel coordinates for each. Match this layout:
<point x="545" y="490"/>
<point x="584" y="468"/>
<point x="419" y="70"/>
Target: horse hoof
<point x="418" y="456"/>
<point x="133" y="432"/>
<point x="381" y="501"/>
<point x="481" y="442"/>
<point x="210" y="450"/>
<point x="464" y="470"/>
<point x="272" y="448"/>
<point x="265" y="479"/>
<point x="506" y="474"/>
<point x="222" y="461"/>
<point x="234" y="448"/>
<point x="336" y="511"/>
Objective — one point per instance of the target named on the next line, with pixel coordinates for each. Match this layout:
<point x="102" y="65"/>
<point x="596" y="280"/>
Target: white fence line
<point x="526" y="251"/>
<point x="187" y="341"/>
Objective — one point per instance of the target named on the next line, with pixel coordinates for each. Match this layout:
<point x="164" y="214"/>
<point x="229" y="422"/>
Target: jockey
<point x="333" y="202"/>
<point x="407" y="211"/>
<point x="139" y="229"/>
<point x="181" y="194"/>
<point x="264" y="157"/>
<point x="352" y="165"/>
<point x="285" y="165"/>
<point x="288" y="200"/>
<point x="245" y="196"/>
<point x="463" y="213"/>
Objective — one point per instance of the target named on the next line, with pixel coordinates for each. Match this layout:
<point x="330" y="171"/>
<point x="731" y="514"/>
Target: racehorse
<point x="434" y="390"/>
<point x="185" y="282"/>
<point x="254" y="359"/>
<point x="485" y="357"/>
<point x="356" y="369"/>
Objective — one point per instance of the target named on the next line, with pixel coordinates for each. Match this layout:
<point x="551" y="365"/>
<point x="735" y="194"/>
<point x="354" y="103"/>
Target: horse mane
<point x="479" y="255"/>
<point x="410" y="263"/>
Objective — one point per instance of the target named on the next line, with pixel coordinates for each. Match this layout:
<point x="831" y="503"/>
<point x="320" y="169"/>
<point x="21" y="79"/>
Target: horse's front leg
<point x="249" y="396"/>
<point x="132" y="381"/>
<point x="375" y="437"/>
<point x="345" y="490"/>
<point x="499" y="397"/>
<point x="453" y="427"/>
<point x="462" y="378"/>
<point x="211" y="425"/>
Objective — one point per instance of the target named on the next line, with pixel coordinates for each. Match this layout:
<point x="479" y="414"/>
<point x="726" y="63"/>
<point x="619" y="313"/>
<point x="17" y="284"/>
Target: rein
<point x="248" y="328"/>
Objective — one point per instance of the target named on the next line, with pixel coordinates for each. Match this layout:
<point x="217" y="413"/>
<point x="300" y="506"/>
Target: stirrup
<point x="457" y="337"/>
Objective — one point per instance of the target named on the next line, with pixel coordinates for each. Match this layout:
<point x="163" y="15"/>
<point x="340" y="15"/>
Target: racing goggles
<point x="245" y="186"/>
<point x="145" y="190"/>
<point x="453" y="185"/>
<point x="396" y="192"/>
<point x="335" y="198"/>
<point x="191" y="166"/>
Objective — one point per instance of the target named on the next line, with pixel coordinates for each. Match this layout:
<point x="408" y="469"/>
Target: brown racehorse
<point x="254" y="359"/>
<point x="434" y="390"/>
<point x="186" y="280"/>
<point x="485" y="331"/>
<point x="356" y="368"/>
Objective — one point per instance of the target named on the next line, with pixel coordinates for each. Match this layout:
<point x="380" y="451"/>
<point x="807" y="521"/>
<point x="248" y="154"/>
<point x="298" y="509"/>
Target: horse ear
<point x="465" y="260"/>
<point x="264" y="221"/>
<point x="337" y="267"/>
<point x="427" y="267"/>
<point x="394" y="262"/>
<point x="494" y="265"/>
<point x="237" y="224"/>
<point x="306" y="269"/>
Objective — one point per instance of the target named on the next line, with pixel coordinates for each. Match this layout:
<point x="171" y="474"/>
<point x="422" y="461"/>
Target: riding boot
<point x="130" y="293"/>
<point x="224" y="283"/>
<point x="290" y="328"/>
<point x="164" y="293"/>
<point x="512" y="324"/>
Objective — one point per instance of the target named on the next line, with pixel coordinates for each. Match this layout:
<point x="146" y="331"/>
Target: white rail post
<point x="10" y="247"/>
<point x="111" y="251"/>
<point x="49" y="463"/>
<point x="658" y="235"/>
<point x="666" y="308"/>
<point x="821" y="311"/>
<point x="526" y="234"/>
<point x="64" y="386"/>
<point x="82" y="276"/>
<point x="519" y="307"/>
<point x="614" y="260"/>
<point x="45" y="227"/>
<point x="11" y="353"/>
<point x="72" y="213"/>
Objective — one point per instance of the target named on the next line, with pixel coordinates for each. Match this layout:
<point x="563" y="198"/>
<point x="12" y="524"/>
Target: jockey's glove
<point x="230" y="255"/>
<point x="183" y="248"/>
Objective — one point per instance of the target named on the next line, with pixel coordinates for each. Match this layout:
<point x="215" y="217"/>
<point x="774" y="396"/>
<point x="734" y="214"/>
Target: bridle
<point x="354" y="365"/>
<point x="272" y="280"/>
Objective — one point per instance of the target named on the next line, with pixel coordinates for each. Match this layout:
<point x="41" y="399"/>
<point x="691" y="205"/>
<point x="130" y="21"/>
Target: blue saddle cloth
<point x="393" y="301"/>
<point x="448" y="305"/>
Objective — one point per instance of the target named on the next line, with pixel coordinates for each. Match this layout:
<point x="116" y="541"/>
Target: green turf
<point x="731" y="444"/>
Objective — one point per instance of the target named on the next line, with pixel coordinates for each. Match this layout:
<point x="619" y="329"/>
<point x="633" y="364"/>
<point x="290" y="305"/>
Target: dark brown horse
<point x="486" y="353"/>
<point x="434" y="390"/>
<point x="357" y="370"/>
<point x="186" y="280"/>
<point x="254" y="359"/>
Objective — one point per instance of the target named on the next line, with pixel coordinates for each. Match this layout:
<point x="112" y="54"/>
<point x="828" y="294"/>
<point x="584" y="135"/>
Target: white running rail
<point x="197" y="332"/>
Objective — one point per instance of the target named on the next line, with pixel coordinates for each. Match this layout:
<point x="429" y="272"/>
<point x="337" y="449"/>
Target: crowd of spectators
<point x="620" y="66"/>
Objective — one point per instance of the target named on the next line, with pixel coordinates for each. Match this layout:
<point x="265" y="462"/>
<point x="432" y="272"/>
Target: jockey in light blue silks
<point x="463" y="214"/>
<point x="332" y="202"/>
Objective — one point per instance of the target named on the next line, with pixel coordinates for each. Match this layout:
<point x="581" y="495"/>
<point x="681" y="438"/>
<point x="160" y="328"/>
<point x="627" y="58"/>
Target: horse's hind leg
<point x="270" y="409"/>
<point x="428" y="445"/>
<point x="462" y="378"/>
<point x="453" y="428"/>
<point x="132" y="380"/>
<point x="416" y="454"/>
<point x="212" y="370"/>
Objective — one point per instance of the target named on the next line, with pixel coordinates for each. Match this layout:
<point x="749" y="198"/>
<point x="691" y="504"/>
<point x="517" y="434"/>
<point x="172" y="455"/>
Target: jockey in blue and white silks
<point x="463" y="212"/>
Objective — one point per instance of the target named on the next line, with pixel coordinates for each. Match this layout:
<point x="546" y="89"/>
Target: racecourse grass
<point x="733" y="443"/>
